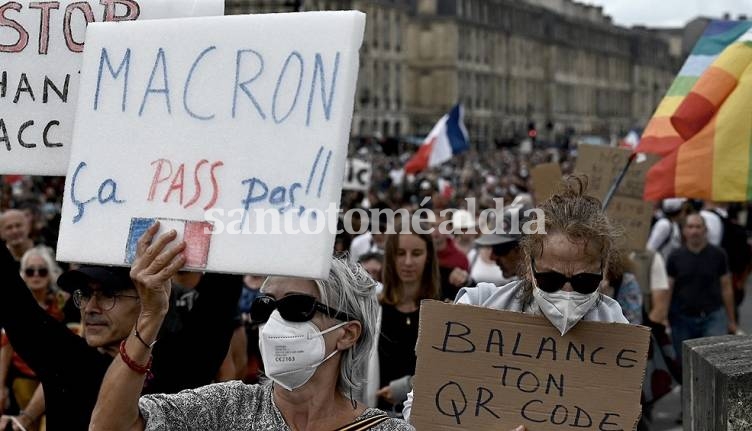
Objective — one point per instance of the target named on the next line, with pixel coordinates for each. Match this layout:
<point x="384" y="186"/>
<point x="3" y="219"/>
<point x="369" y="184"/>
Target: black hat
<point x="509" y="234"/>
<point x="491" y="239"/>
<point x="110" y="277"/>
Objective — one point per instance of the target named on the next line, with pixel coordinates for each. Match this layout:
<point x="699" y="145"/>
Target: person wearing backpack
<point x="665" y="235"/>
<point x="733" y="240"/>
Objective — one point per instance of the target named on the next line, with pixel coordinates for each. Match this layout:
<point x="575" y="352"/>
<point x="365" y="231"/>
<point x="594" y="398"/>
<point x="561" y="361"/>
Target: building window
<point x="385" y="80"/>
<point x="460" y="43"/>
<point x="398" y="85"/>
<point x="398" y="33"/>
<point x="386" y="27"/>
<point x="487" y="47"/>
<point x="376" y="83"/>
<point x="477" y="44"/>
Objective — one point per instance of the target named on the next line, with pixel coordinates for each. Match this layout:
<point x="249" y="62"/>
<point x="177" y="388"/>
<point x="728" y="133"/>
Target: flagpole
<point x="617" y="182"/>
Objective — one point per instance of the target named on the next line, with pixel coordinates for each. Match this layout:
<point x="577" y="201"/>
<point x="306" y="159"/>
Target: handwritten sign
<point x="602" y="165"/>
<point x="231" y="130"/>
<point x="634" y="216"/>
<point x="484" y="369"/>
<point x="357" y="175"/>
<point x="546" y="178"/>
<point x="40" y="57"/>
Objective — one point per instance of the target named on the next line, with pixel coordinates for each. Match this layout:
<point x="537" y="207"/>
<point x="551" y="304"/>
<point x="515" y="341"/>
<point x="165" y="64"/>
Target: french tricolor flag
<point x="447" y="138"/>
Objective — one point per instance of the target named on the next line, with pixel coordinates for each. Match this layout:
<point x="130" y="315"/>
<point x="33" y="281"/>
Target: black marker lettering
<point x="470" y="347"/>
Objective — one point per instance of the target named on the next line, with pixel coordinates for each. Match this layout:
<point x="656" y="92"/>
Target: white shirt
<point x="361" y="245"/>
<point x="483" y="271"/>
<point x="658" y="275"/>
<point x="665" y="237"/>
<point x="714" y="224"/>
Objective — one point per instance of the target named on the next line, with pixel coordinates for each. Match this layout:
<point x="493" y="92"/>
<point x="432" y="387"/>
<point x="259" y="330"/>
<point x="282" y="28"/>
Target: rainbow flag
<point x="703" y="126"/>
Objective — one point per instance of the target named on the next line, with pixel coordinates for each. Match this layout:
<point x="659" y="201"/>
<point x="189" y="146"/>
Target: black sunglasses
<point x="293" y="308"/>
<point x="42" y="272"/>
<point x="552" y="281"/>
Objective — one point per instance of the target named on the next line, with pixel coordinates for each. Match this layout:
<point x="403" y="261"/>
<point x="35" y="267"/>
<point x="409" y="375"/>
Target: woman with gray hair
<point x="315" y="335"/>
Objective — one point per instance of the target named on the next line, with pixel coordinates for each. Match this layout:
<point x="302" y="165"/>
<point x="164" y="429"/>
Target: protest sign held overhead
<point x="357" y="175"/>
<point x="40" y="63"/>
<point x="231" y="130"/>
<point x="627" y="209"/>
<point x="499" y="369"/>
<point x="602" y="164"/>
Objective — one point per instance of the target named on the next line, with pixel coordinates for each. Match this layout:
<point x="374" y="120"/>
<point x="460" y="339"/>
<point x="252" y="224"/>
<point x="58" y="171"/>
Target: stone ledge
<point x="718" y="383"/>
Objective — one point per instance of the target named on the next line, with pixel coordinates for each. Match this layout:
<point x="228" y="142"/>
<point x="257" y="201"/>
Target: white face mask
<point x="564" y="309"/>
<point x="292" y="351"/>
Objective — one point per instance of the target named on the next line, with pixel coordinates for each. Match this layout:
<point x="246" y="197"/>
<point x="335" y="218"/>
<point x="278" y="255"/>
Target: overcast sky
<point x="669" y="13"/>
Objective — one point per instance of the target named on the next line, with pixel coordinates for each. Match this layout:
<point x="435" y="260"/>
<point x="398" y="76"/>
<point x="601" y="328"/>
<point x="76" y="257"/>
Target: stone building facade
<point x="561" y="66"/>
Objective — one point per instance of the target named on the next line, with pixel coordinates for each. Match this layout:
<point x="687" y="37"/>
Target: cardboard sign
<point x="231" y="130"/>
<point x="546" y="178"/>
<point x="40" y="58"/>
<point x="634" y="216"/>
<point x="357" y="175"/>
<point x="602" y="165"/>
<point x="483" y="369"/>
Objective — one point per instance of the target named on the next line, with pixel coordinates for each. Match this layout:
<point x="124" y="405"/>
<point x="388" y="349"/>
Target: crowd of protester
<point x="664" y="286"/>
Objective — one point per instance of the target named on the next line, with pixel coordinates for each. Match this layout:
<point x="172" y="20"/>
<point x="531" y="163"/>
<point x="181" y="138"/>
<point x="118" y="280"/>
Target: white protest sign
<point x="40" y="59"/>
<point x="357" y="175"/>
<point x="232" y="130"/>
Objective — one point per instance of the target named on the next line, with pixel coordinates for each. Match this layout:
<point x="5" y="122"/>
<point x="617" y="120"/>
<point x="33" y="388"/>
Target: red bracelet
<point x="146" y="369"/>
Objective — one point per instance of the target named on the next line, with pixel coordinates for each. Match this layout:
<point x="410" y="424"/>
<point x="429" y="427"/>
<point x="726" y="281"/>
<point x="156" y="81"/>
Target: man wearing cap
<point x="71" y="368"/>
<point x="505" y="251"/>
<point x="665" y="236"/>
<point x="505" y="242"/>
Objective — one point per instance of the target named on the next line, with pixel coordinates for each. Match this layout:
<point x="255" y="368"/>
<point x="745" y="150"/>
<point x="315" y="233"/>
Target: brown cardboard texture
<point x="602" y="165"/>
<point x="484" y="369"/>
<point x="627" y="209"/>
<point x="634" y="216"/>
<point x="546" y="178"/>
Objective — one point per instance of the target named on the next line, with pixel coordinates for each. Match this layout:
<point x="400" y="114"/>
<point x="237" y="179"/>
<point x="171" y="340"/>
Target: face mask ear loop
<point x="349" y="377"/>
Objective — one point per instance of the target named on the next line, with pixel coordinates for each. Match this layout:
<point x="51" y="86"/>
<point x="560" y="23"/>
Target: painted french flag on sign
<point x="447" y="138"/>
<point x="196" y="234"/>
